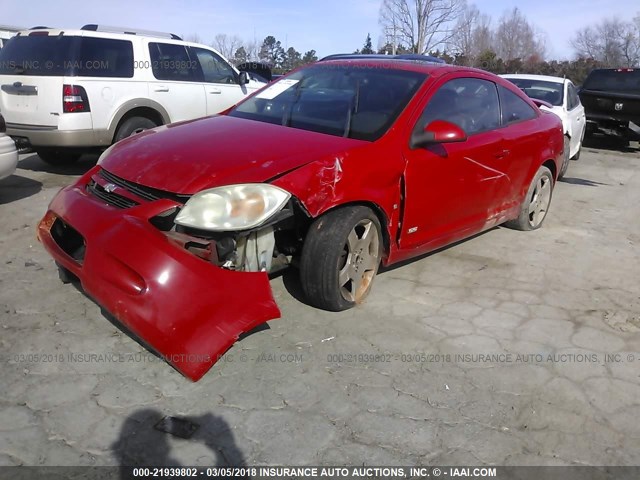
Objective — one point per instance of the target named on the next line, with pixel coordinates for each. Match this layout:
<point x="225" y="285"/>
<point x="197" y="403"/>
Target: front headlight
<point x="232" y="208"/>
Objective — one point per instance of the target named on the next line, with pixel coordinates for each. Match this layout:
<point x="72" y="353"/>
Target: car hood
<point x="187" y="157"/>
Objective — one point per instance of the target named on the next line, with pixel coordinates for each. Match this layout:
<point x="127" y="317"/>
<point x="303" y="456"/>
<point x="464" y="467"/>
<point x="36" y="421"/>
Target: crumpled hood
<point x="190" y="156"/>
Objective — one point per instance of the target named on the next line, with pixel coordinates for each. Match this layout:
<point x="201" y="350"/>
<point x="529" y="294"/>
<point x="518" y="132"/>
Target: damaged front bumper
<point x="185" y="308"/>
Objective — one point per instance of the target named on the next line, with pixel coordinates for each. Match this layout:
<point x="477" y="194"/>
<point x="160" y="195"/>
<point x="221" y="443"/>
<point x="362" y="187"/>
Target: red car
<point x="336" y="168"/>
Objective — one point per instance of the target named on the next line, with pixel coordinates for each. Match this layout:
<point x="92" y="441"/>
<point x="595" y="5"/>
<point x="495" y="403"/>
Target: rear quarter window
<point x="514" y="108"/>
<point x="103" y="57"/>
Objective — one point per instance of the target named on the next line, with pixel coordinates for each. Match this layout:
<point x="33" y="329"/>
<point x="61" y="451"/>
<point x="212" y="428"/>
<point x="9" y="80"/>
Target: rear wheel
<point x="58" y="156"/>
<point x="340" y="258"/>
<point x="535" y="206"/>
<point x="134" y="125"/>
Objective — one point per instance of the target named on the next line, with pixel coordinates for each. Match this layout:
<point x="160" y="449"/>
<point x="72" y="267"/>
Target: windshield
<point x="550" y="92"/>
<point x="623" y="80"/>
<point x="355" y="101"/>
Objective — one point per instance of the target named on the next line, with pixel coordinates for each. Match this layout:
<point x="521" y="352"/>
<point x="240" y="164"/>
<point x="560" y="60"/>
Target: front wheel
<point x="340" y="258"/>
<point x="536" y="203"/>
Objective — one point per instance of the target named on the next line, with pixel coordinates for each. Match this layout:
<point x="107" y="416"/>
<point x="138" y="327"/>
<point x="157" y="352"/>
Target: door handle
<point x="161" y="89"/>
<point x="215" y="91"/>
<point x="502" y="154"/>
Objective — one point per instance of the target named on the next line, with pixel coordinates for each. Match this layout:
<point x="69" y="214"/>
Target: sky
<point x="327" y="26"/>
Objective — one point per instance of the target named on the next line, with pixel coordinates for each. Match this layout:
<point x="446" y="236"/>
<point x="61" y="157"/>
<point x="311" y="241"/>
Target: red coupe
<point x="335" y="168"/>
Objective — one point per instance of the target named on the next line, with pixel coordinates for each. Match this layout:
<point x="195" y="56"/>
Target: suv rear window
<point x="625" y="80"/>
<point x="52" y="56"/>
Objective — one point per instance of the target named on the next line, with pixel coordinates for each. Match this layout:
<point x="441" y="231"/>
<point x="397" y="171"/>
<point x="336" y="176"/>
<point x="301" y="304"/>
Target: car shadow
<point x="582" y="181"/>
<point x="291" y="276"/>
<point x="409" y="261"/>
<point x="17" y="187"/>
<point x="35" y="164"/>
<point x="144" y="440"/>
<point x="75" y="282"/>
<point x="604" y="142"/>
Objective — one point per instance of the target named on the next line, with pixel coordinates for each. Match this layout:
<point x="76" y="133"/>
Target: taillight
<point x="3" y="125"/>
<point x="74" y="99"/>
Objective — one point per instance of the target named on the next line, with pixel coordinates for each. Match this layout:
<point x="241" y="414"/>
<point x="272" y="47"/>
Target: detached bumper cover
<point x="186" y="309"/>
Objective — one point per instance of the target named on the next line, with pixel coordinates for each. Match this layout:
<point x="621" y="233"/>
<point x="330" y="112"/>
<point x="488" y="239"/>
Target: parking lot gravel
<point x="511" y="348"/>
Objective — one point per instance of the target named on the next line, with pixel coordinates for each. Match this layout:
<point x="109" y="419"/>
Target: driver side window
<point x="470" y="103"/>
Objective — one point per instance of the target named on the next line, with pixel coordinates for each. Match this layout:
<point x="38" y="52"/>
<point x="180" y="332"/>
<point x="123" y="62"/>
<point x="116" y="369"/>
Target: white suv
<point x="65" y="92"/>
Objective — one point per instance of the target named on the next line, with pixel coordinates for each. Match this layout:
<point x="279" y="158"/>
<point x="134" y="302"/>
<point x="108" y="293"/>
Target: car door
<point x="451" y="189"/>
<point x="221" y="81"/>
<point x="577" y="119"/>
<point x="520" y="131"/>
<point x="178" y="82"/>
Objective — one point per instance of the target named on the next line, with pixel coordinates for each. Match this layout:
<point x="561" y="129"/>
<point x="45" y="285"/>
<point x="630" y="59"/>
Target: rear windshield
<point x="626" y="80"/>
<point x="59" y="55"/>
<point x="551" y="92"/>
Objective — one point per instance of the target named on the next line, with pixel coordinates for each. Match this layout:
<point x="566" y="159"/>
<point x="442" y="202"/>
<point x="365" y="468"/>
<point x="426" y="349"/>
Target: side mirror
<point x="438" y="131"/>
<point x="243" y="79"/>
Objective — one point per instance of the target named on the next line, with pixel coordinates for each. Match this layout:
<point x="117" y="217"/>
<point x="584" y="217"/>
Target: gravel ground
<point x="510" y="348"/>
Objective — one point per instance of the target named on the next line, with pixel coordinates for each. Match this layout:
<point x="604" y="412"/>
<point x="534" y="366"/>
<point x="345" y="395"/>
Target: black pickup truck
<point x="611" y="99"/>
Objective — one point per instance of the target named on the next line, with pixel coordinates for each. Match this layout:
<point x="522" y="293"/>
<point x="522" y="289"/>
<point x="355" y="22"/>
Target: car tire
<point x="133" y="125"/>
<point x="340" y="258"/>
<point x="566" y="157"/>
<point x="535" y="205"/>
<point x="58" y="157"/>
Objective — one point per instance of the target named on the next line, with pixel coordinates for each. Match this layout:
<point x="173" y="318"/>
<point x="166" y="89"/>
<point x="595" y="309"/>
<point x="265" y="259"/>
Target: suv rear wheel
<point x="133" y="125"/>
<point x="58" y="156"/>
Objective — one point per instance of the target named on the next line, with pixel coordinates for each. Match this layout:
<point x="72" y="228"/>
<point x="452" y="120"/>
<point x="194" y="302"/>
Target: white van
<point x="65" y="92"/>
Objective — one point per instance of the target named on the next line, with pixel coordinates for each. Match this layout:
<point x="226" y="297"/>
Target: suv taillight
<point x="74" y="99"/>
<point x="3" y="125"/>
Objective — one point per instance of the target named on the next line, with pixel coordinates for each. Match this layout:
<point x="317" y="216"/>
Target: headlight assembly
<point x="232" y="208"/>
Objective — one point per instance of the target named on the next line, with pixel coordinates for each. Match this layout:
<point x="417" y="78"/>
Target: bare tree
<point x="612" y="42"/>
<point x="472" y="34"/>
<point x="192" y="37"/>
<point x="227" y="45"/>
<point x="421" y="24"/>
<point x="516" y="38"/>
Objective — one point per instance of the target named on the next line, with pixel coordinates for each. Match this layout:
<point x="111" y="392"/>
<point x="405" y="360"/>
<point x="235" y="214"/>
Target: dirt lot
<point x="511" y="348"/>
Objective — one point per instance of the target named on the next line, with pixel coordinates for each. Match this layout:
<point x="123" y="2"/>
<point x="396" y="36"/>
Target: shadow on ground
<point x="604" y="142"/>
<point x="83" y="165"/>
<point x="17" y="187"/>
<point x="582" y="181"/>
<point x="147" y="436"/>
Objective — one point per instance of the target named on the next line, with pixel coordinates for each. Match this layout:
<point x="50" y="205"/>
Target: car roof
<point x="93" y="30"/>
<point x="526" y="76"/>
<point x="388" y="62"/>
<point x="402" y="56"/>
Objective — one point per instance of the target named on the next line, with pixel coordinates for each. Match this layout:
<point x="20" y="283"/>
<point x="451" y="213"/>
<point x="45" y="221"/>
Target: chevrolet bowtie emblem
<point x="110" y="187"/>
